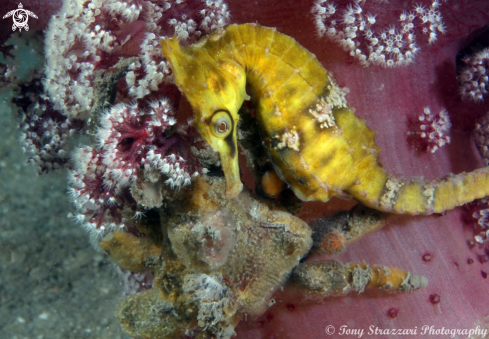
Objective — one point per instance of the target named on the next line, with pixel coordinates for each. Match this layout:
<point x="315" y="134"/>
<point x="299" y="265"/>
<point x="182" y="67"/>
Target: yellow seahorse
<point x="316" y="143"/>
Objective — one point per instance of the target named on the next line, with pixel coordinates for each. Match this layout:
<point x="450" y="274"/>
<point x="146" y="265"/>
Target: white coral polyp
<point x="358" y="33"/>
<point x="474" y="77"/>
<point x="151" y="64"/>
<point x="78" y="38"/>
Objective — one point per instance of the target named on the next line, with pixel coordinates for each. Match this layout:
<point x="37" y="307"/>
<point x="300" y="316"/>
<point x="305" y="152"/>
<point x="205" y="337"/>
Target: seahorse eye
<point x="222" y="127"/>
<point x="221" y="124"/>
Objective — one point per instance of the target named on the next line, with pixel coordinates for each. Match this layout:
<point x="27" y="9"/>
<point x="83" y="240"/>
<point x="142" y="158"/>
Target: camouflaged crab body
<point x="316" y="143"/>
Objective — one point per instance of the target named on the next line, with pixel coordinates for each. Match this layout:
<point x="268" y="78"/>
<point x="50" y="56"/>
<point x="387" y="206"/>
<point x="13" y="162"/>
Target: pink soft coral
<point x="86" y="38"/>
<point x="131" y="142"/>
<point x="430" y="131"/>
<point x="387" y="99"/>
<point x="474" y="76"/>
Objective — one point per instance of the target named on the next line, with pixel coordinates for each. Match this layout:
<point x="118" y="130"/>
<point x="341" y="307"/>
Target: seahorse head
<point x="214" y="84"/>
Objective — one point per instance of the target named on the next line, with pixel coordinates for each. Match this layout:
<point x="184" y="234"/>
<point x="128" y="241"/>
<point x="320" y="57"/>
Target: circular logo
<point x="20" y="17"/>
<point x="329" y="330"/>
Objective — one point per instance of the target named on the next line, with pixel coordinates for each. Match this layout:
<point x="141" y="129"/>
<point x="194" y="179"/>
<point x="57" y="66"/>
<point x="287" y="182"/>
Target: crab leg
<point x="322" y="279"/>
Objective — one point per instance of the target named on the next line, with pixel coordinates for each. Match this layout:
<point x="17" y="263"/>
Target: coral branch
<point x="87" y="37"/>
<point x="45" y="131"/>
<point x="481" y="136"/>
<point x="429" y="131"/>
<point x="99" y="204"/>
<point x="476" y="219"/>
<point x="130" y="142"/>
<point x="45" y="136"/>
<point x="473" y="79"/>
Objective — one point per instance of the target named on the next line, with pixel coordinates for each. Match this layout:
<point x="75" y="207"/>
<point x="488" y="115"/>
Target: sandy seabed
<point x="53" y="284"/>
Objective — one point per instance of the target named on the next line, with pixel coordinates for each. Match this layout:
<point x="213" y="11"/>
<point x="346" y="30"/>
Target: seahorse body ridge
<point x="316" y="143"/>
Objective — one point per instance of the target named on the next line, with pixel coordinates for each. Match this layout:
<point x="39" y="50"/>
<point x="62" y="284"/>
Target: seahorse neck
<point x="284" y="78"/>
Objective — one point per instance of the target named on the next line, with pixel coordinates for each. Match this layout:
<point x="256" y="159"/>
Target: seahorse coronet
<point x="316" y="143"/>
